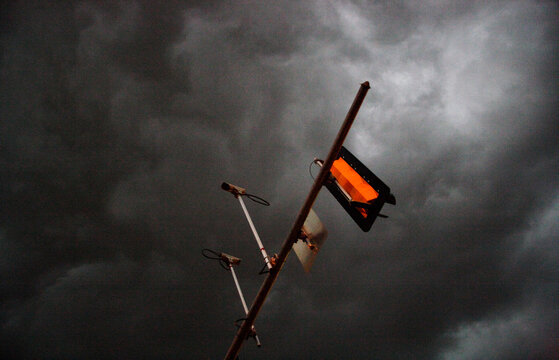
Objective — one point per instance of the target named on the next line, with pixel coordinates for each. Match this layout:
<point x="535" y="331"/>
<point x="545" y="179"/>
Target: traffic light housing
<point x="360" y="192"/>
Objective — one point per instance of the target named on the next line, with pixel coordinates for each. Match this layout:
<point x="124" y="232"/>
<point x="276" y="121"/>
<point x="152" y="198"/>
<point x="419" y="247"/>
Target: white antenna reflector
<point x="313" y="234"/>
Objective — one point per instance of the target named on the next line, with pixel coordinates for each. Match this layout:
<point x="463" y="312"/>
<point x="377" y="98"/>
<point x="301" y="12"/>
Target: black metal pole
<point x="294" y="233"/>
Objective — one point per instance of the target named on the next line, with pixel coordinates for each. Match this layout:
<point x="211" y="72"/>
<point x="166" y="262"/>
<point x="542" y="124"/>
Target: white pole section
<point x="243" y="301"/>
<point x="238" y="288"/>
<point x="260" y="246"/>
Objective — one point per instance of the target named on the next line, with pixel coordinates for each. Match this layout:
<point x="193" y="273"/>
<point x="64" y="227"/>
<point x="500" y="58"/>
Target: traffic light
<point x="361" y="193"/>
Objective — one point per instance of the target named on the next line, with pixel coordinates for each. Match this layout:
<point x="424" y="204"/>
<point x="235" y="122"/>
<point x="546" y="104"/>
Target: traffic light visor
<point x="353" y="183"/>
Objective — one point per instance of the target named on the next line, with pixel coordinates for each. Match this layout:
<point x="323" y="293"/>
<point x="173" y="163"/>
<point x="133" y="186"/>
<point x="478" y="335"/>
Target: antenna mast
<point x="245" y="328"/>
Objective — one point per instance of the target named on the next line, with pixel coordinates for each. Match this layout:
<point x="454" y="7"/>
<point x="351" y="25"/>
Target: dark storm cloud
<point x="120" y="120"/>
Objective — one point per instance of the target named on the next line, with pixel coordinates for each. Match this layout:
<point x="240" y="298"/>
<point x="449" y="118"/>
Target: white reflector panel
<point x="307" y="246"/>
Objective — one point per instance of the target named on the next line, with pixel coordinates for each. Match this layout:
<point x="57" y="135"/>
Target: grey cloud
<point x="120" y="121"/>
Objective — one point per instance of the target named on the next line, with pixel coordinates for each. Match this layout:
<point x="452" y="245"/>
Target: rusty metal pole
<point x="244" y="330"/>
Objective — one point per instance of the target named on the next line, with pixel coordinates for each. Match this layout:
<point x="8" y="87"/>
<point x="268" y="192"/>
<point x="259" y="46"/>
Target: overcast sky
<point x="120" y="120"/>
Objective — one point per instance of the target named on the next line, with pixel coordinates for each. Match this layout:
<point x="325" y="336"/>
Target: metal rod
<point x="243" y="301"/>
<point x="301" y="217"/>
<point x="238" y="288"/>
<point x="260" y="246"/>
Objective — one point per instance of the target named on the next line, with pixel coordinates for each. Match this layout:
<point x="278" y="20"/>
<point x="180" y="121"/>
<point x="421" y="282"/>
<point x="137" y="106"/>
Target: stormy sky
<point x="120" y="119"/>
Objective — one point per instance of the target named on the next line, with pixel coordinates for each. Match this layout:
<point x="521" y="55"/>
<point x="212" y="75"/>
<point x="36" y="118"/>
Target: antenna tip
<point x="366" y="85"/>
